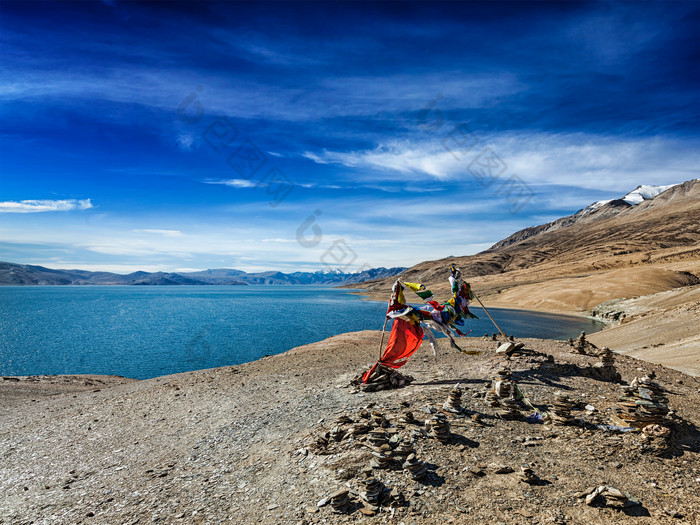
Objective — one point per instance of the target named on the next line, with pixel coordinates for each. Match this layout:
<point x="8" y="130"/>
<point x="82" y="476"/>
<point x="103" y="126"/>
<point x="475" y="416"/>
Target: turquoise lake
<point x="144" y="332"/>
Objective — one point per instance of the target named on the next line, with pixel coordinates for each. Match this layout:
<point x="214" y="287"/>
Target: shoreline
<point x="659" y="328"/>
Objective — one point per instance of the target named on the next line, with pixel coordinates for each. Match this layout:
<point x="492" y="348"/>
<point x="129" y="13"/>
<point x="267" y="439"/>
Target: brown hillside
<point x="653" y="233"/>
<point x="645" y="249"/>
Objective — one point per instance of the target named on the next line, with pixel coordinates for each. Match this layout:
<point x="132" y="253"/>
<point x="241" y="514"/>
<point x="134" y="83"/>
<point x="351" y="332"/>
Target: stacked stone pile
<point x="581" y="345"/>
<point x="404" y="449"/>
<point x="382" y="378"/>
<point x="377" y="437"/>
<point x="560" y="414"/>
<point x="415" y="467"/>
<point x="656" y="439"/>
<point x="439" y="428"/>
<point x="509" y="409"/>
<point x="492" y="399"/>
<point x="337" y="433"/>
<point x="605" y="368"/>
<point x="409" y="419"/>
<point x="453" y="403"/>
<point x="396" y="498"/>
<point x="642" y="403"/>
<point x="378" y="420"/>
<point x="359" y="428"/>
<point x="383" y="457"/>
<point x="503" y="383"/>
<point x="527" y="475"/>
<point x="605" y="495"/>
<point x="340" y="501"/>
<point x="373" y="489"/>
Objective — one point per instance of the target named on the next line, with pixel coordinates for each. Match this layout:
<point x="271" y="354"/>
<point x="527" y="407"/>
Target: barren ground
<point x="235" y="443"/>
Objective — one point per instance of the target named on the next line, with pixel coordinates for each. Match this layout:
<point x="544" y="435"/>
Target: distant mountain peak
<point x="645" y="192"/>
<point x="14" y="274"/>
<point x="598" y="210"/>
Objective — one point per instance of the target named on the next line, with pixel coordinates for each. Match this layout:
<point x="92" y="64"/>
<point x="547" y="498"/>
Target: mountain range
<point x="24" y="274"/>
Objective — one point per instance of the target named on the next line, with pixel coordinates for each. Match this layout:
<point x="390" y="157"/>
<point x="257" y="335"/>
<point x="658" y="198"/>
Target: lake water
<point x="149" y="331"/>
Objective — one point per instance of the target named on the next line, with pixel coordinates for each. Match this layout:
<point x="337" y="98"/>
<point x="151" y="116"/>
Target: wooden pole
<point x="381" y="343"/>
<point x="487" y="313"/>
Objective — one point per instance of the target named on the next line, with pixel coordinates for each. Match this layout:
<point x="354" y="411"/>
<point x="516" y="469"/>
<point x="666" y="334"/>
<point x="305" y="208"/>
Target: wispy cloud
<point x="164" y="233"/>
<point x="235" y="183"/>
<point x="579" y="160"/>
<point x="38" y="206"/>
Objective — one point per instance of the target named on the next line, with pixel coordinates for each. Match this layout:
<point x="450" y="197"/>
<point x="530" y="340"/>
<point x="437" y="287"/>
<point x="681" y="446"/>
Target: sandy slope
<point x="660" y="328"/>
<point x="234" y="444"/>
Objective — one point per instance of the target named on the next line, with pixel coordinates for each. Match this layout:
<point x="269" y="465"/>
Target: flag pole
<point x="381" y="343"/>
<point x="487" y="313"/>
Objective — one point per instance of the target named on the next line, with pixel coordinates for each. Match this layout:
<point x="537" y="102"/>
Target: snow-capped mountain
<point x="593" y="212"/>
<point x="643" y="192"/>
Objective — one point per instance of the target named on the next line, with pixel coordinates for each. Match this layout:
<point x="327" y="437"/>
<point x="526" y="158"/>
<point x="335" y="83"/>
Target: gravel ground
<point x="239" y="443"/>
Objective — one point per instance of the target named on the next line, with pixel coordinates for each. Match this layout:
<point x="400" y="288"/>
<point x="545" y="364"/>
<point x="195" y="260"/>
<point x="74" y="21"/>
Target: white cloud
<point x="165" y="233"/>
<point x="37" y="206"/>
<point x="402" y="157"/>
<point x="576" y="159"/>
<point x="185" y="141"/>
<point x="235" y="183"/>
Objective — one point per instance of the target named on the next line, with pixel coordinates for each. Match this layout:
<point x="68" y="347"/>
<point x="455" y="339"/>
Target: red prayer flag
<point x="404" y="340"/>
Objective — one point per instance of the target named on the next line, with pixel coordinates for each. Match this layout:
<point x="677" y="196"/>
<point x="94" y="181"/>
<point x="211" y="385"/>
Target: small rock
<point x="322" y="502"/>
<point x="505" y="348"/>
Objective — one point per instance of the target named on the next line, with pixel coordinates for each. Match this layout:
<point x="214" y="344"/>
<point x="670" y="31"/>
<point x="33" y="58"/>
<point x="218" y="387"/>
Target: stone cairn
<point x="383" y="457"/>
<point x="404" y="449"/>
<point x="492" y="398"/>
<point x="373" y="489"/>
<point x="340" y="501"/>
<point x="527" y="475"/>
<point x="337" y="433"/>
<point x="408" y="419"/>
<point x="320" y="444"/>
<point x="503" y="384"/>
<point x="606" y="357"/>
<point x="359" y="428"/>
<point x="509" y="409"/>
<point x="415" y="467"/>
<point x="439" y="428"/>
<point x="605" y="368"/>
<point x="561" y="409"/>
<point x="378" y="420"/>
<point x="605" y="495"/>
<point x="581" y="345"/>
<point x="377" y="437"/>
<point x="453" y="403"/>
<point x="642" y="403"/>
<point x="396" y="498"/>
<point x="656" y="439"/>
<point x="502" y="396"/>
<point x="383" y="378"/>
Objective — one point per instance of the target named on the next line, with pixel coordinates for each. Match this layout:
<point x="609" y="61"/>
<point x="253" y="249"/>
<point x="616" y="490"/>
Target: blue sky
<point x="302" y="136"/>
